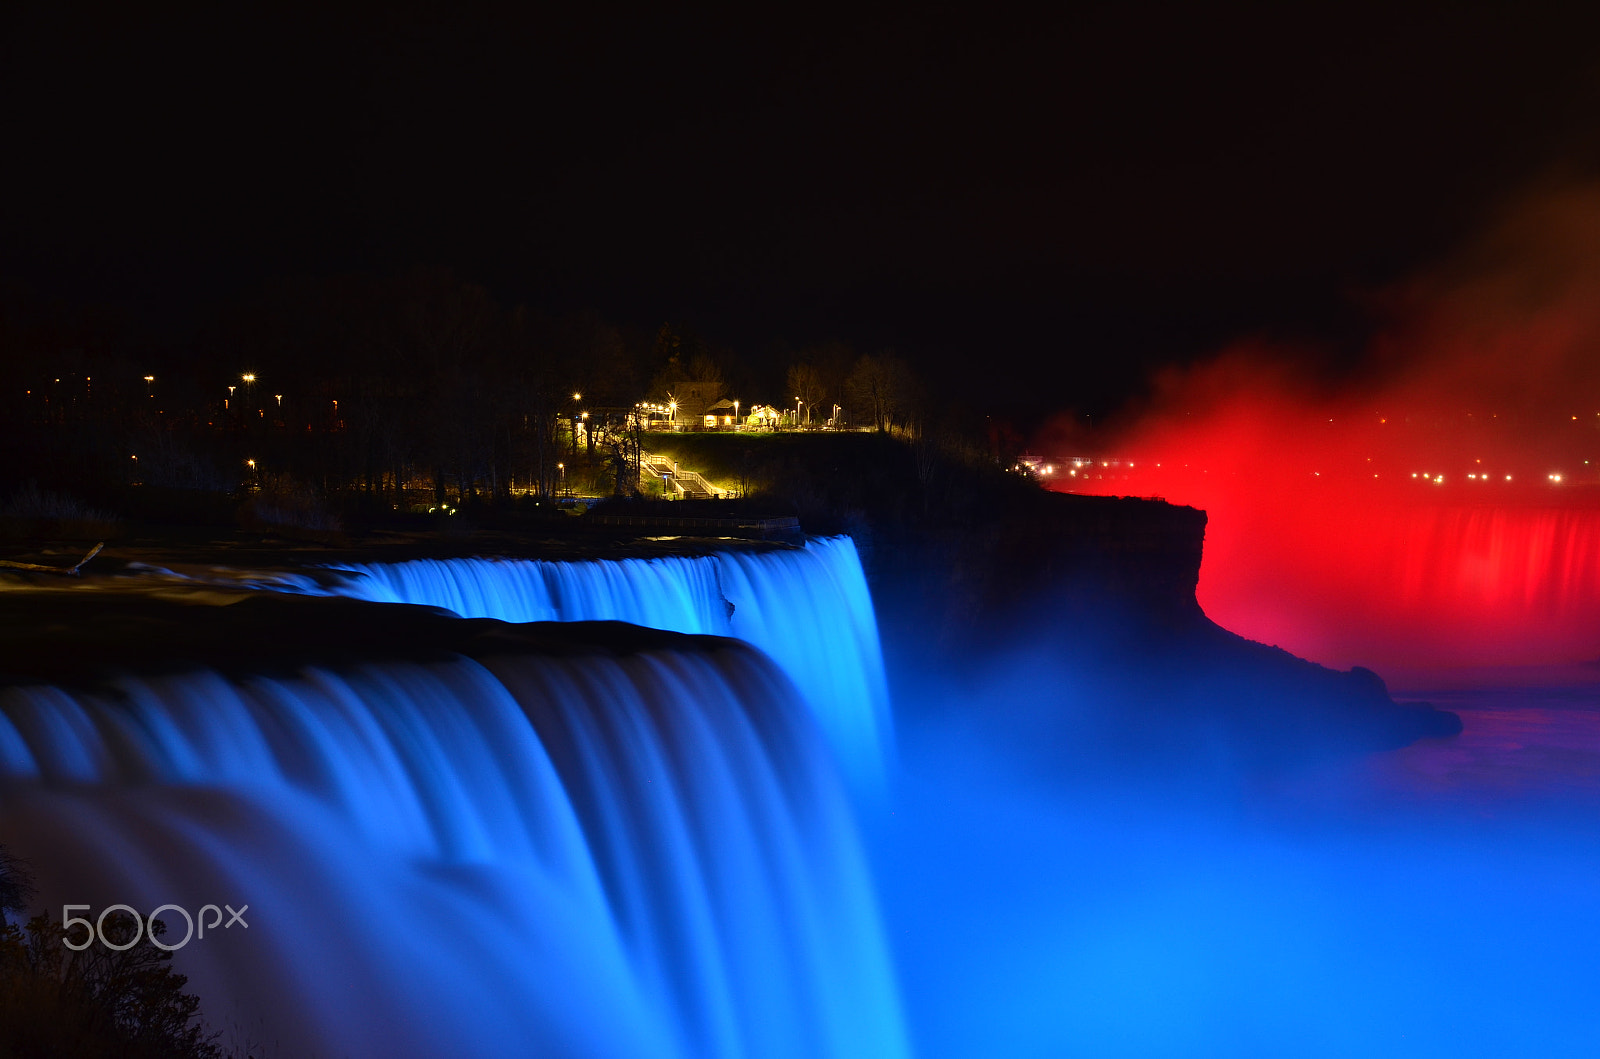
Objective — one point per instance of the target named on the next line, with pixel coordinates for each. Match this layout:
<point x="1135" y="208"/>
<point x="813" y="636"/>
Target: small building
<point x="694" y="398"/>
<point x="722" y="415"/>
<point x="764" y="415"/>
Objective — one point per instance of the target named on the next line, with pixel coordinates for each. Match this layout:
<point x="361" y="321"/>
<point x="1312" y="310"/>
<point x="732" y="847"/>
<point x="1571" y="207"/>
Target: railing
<point x="684" y="483"/>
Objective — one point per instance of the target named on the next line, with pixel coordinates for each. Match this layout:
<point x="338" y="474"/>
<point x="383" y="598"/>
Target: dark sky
<point x="1046" y="207"/>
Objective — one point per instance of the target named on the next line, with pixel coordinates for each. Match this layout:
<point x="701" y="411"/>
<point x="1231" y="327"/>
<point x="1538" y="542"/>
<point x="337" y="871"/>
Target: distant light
<point x="149" y="378"/>
<point x="1508" y="478"/>
<point x="248" y="377"/>
<point x="577" y="397"/>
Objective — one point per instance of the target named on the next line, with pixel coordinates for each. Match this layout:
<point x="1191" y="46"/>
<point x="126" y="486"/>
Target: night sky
<point x="1032" y="212"/>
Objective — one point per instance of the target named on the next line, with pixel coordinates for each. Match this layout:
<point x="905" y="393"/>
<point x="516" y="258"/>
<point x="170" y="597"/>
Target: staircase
<point x="684" y="485"/>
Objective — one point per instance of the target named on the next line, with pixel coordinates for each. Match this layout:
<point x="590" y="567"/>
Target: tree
<point x="880" y="389"/>
<point x="624" y="446"/>
<point x="96" y="1001"/>
<point x="16" y="885"/>
<point x="703" y="369"/>
<point x="682" y="358"/>
<point x="804" y="383"/>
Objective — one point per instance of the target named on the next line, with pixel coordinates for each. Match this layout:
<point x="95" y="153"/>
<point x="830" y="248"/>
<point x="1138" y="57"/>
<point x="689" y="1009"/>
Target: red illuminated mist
<point x="1439" y="507"/>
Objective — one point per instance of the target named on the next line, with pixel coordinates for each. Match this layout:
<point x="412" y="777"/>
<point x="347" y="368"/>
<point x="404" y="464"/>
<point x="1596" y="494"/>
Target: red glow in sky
<point x="1443" y="509"/>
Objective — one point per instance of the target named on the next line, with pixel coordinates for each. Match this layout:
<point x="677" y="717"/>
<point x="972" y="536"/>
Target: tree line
<point x="386" y="387"/>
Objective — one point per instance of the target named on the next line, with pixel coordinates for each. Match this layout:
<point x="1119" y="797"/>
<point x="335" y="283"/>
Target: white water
<point x="809" y="609"/>
<point x="640" y="856"/>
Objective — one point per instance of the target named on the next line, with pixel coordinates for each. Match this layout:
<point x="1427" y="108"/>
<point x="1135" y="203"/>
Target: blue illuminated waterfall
<point x="809" y="609"/>
<point x="629" y="853"/>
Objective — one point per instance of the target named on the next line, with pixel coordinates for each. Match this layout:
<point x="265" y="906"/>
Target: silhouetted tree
<point x="805" y="383"/>
<point x="881" y="390"/>
<point x="95" y="1001"/>
<point x="16" y="885"/>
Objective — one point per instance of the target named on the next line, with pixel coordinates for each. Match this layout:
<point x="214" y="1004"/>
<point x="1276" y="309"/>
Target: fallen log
<point x="70" y="571"/>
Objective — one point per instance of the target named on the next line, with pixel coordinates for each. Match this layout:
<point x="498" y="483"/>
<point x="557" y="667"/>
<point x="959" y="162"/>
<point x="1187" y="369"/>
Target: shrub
<point x="96" y="1002"/>
<point x="31" y="512"/>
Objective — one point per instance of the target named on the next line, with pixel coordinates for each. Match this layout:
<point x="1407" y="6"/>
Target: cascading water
<point x="809" y="609"/>
<point x="602" y="853"/>
<point x="1411" y="585"/>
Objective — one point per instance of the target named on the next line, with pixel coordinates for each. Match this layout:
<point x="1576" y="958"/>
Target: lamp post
<point x="736" y="423"/>
<point x="576" y="397"/>
<point x="797" y="404"/>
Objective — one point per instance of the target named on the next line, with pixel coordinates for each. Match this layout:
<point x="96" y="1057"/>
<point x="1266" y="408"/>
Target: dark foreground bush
<point x="97" y="1002"/>
<point x="30" y="512"/>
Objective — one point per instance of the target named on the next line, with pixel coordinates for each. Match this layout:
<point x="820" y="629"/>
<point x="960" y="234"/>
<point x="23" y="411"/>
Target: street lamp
<point x="797" y="404"/>
<point x="736" y="413"/>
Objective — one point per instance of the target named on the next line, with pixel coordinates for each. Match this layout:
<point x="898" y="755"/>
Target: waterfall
<point x="629" y="853"/>
<point x="808" y="608"/>
<point x="1401" y="585"/>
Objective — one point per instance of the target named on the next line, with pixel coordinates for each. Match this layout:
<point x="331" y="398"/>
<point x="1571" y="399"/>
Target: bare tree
<point x="805" y="384"/>
<point x="16" y="885"/>
<point x="880" y="389"/>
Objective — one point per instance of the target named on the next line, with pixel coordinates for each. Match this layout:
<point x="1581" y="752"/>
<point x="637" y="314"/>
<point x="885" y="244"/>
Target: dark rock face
<point x="1091" y="601"/>
<point x="84" y="639"/>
